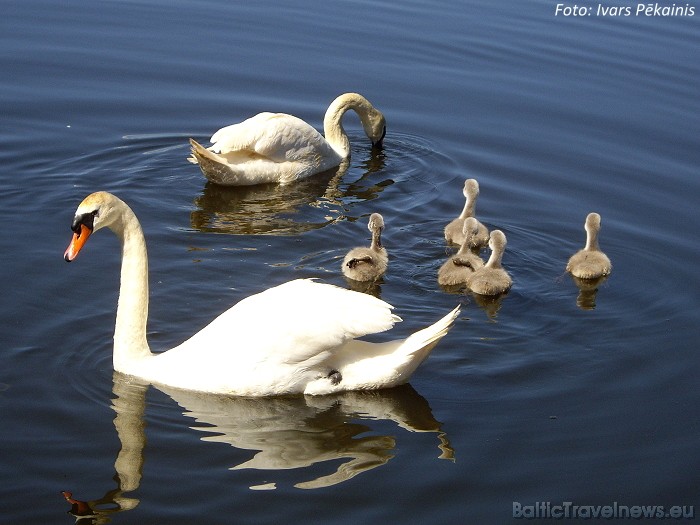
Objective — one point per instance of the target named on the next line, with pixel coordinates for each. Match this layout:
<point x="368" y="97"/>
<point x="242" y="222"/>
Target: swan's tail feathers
<point x="212" y="165"/>
<point x="199" y="152"/>
<point x="363" y="365"/>
<point x="416" y="348"/>
<point x="424" y="340"/>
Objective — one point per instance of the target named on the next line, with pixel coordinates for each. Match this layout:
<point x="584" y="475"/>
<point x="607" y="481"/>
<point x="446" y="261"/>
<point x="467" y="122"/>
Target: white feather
<point x="298" y="337"/>
<point x="276" y="147"/>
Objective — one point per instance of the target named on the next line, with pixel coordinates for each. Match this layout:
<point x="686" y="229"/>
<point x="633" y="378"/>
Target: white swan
<point x="276" y="147"/>
<point x="454" y="231"/>
<point x="492" y="279"/>
<point x="458" y="268"/>
<point x="298" y="337"/>
<point x="590" y="262"/>
<point x="368" y="264"/>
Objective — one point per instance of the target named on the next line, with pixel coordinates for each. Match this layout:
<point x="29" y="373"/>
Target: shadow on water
<point x="588" y="290"/>
<point x="268" y="208"/>
<point x="284" y="433"/>
<point x="274" y="209"/>
<point x="140" y="166"/>
<point x="369" y="287"/>
<point x="490" y="304"/>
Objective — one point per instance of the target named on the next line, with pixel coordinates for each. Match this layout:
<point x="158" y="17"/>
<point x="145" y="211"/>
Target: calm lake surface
<point x="551" y="394"/>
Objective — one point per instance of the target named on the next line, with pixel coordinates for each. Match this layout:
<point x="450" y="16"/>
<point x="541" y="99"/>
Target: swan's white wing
<point x="291" y="339"/>
<point x="298" y="323"/>
<point x="276" y="136"/>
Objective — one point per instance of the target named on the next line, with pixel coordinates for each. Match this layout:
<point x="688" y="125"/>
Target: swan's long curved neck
<point x="332" y="122"/>
<point x="130" y="343"/>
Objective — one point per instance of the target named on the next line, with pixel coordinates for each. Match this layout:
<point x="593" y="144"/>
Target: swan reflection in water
<point x="274" y="209"/>
<point x="283" y="432"/>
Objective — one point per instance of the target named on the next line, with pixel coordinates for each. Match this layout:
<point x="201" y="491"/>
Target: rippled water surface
<point x="551" y="393"/>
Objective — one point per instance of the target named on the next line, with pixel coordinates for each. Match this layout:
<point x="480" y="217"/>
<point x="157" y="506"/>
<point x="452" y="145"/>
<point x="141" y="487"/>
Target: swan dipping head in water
<point x="277" y="147"/>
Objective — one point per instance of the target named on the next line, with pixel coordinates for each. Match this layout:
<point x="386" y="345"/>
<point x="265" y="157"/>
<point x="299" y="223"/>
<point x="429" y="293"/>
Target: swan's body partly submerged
<point x="458" y="268"/>
<point x="298" y="337"/>
<point x="368" y="263"/>
<point x="454" y="231"/>
<point x="590" y="262"/>
<point x="492" y="279"/>
<point x="276" y="147"/>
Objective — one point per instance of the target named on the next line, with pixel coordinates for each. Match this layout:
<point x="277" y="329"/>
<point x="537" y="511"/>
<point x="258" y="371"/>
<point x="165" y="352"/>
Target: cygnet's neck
<point x="498" y="246"/>
<point x="470" y="231"/>
<point x="130" y="343"/>
<point x="592" y="239"/>
<point x="376" y="239"/>
<point x="495" y="259"/>
<point x="469" y="205"/>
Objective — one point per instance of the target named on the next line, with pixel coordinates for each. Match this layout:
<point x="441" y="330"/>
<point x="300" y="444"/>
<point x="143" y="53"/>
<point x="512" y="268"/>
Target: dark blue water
<point x="551" y="394"/>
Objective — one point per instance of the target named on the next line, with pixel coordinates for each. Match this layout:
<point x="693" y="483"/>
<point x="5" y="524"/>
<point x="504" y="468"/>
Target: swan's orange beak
<point x="77" y="243"/>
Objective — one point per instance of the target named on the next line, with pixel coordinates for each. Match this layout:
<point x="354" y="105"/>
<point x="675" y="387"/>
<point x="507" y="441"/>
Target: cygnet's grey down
<point x="368" y="263"/>
<point x="457" y="269"/>
<point x="454" y="231"/>
<point x="492" y="279"/>
<point x="590" y="262"/>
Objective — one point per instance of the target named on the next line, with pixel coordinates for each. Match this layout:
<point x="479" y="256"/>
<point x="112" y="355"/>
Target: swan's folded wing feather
<point x="241" y="136"/>
<point x="300" y="322"/>
<point x="276" y="136"/>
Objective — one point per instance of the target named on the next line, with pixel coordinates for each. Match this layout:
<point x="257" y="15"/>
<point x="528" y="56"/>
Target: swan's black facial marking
<point x="84" y="219"/>
<point x="335" y="377"/>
